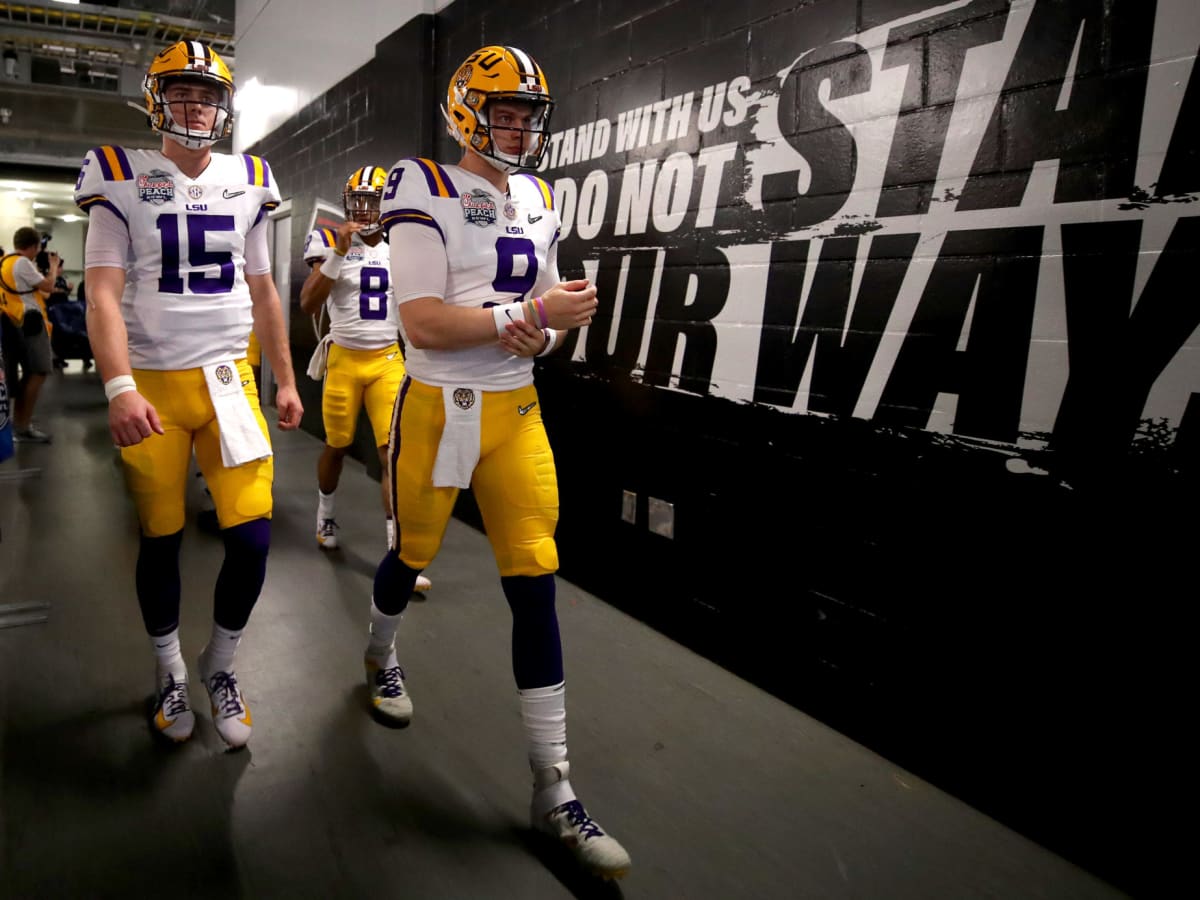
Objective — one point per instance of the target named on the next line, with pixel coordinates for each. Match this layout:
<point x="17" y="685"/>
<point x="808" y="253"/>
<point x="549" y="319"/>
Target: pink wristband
<point x="541" y="309"/>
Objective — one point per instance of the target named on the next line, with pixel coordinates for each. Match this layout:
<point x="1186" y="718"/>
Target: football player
<point x="473" y="252"/>
<point x="178" y="273"/>
<point x="360" y="358"/>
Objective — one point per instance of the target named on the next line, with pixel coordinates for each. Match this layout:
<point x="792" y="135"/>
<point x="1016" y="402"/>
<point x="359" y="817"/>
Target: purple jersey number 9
<point x="516" y="266"/>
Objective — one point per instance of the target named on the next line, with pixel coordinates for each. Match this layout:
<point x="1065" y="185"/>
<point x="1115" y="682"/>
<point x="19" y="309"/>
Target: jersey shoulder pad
<point x="109" y="163"/>
<point x="319" y="243"/>
<point x="537" y="187"/>
<point x="103" y="169"/>
<point x="412" y="186"/>
<point x="259" y="174"/>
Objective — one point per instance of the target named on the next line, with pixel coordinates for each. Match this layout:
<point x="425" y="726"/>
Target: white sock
<point x="381" y="646"/>
<point x="324" y="506"/>
<point x="391" y="531"/>
<point x="218" y="655"/>
<point x="544" y="713"/>
<point x="169" y="655"/>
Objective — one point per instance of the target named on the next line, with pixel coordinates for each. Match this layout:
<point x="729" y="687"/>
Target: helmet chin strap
<point x="192" y="143"/>
<point x="501" y="164"/>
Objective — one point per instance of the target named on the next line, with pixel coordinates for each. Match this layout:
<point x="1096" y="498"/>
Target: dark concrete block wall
<point x="982" y="583"/>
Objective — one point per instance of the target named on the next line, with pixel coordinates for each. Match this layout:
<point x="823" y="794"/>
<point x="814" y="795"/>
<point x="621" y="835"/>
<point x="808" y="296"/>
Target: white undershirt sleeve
<point x="418" y="262"/>
<point x="107" y="240"/>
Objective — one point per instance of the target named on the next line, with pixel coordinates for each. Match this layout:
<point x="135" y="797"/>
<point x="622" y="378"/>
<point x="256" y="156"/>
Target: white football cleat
<point x="327" y="534"/>
<point x="173" y="716"/>
<point x="570" y="825"/>
<point x="231" y="715"/>
<point x="389" y="699"/>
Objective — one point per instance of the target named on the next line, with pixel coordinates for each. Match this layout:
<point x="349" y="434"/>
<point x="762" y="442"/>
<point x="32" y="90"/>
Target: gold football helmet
<point x="189" y="61"/>
<point x="494" y="74"/>
<point x="361" y="197"/>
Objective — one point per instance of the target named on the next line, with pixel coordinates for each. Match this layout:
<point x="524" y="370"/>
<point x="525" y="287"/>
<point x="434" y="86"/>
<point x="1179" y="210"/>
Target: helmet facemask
<point x="489" y="138"/>
<point x="162" y="116"/>
<point x="362" y="206"/>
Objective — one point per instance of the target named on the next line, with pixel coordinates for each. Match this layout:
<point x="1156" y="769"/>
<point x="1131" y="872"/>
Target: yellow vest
<point x="11" y="302"/>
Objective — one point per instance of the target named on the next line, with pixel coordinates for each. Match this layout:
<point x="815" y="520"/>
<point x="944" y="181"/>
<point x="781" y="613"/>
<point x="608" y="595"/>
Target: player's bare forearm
<point x="431" y="324"/>
<point x="315" y="291"/>
<point x="105" y="325"/>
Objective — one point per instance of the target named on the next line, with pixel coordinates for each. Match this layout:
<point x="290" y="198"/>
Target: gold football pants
<point x="514" y="482"/>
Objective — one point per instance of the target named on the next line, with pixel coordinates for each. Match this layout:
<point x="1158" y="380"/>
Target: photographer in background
<point x="26" y="341"/>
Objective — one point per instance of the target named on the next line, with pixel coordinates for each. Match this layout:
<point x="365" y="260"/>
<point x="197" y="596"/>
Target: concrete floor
<point x="717" y="789"/>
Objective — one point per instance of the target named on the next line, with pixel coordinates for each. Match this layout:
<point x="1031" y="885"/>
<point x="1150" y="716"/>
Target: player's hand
<point x="343" y="235"/>
<point x="570" y="304"/>
<point x="290" y="408"/>
<point x="522" y="339"/>
<point x="131" y="419"/>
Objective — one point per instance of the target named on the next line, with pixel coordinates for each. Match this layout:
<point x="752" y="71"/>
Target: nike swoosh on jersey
<point x="533" y="219"/>
<point x="229" y="195"/>
<point x="521" y="410"/>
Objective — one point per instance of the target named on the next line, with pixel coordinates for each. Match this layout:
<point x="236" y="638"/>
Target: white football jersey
<point x="501" y="248"/>
<point x="361" y="303"/>
<point x="186" y="302"/>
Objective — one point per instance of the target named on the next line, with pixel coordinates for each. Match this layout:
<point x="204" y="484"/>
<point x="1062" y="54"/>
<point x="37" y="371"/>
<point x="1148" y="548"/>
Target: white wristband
<point x="119" y="384"/>
<point x="551" y="341"/>
<point x="509" y="312"/>
<point x="331" y="267"/>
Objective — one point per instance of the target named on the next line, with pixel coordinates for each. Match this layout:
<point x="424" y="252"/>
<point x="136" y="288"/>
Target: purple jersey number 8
<point x="372" y="298"/>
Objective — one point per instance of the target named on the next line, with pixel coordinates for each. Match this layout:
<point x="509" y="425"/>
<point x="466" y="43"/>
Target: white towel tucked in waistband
<point x="242" y="441"/>
<point x="458" y="450"/>
<point x="320" y="357"/>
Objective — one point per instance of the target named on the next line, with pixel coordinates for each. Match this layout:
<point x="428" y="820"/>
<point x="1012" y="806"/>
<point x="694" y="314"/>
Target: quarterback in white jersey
<point x="359" y="358"/>
<point x="186" y="302"/>
<point x="177" y="275"/>
<point x="499" y="247"/>
<point x="473" y="251"/>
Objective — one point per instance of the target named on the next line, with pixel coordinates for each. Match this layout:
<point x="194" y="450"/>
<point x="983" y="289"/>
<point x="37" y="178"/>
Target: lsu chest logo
<point x="156" y="187"/>
<point x="478" y="207"/>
